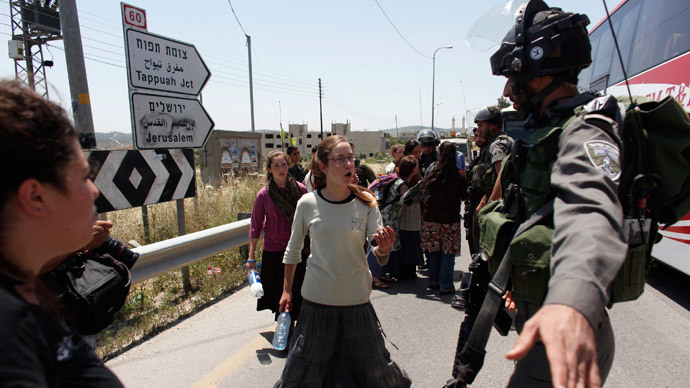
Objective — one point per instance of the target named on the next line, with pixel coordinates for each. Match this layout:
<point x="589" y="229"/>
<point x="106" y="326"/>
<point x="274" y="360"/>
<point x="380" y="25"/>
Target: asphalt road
<point x="229" y="343"/>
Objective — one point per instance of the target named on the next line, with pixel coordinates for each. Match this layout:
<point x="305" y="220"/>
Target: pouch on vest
<point x="530" y="254"/>
<point x="496" y="231"/>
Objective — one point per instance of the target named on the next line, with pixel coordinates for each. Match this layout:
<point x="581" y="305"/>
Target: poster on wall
<point x="248" y="155"/>
<point x="239" y="154"/>
<point x="228" y="154"/>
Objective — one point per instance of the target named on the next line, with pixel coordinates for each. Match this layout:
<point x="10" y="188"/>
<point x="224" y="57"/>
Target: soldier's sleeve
<point x="588" y="243"/>
<point x="500" y="148"/>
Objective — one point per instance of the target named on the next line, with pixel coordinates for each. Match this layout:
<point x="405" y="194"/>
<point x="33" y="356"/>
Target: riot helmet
<point x="543" y="41"/>
<point x="489" y="114"/>
<point x="428" y="137"/>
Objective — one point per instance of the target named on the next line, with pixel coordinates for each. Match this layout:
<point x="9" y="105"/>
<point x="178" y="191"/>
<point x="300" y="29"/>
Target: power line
<point x="102" y="18"/>
<point x="399" y="33"/>
<point x="90" y="58"/>
<point x="236" y="18"/>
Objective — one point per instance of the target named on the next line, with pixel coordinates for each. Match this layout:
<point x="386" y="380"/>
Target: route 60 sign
<point x="133" y="16"/>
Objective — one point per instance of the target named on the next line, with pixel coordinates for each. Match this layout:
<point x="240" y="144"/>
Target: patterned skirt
<point x="339" y="346"/>
<point x="441" y="237"/>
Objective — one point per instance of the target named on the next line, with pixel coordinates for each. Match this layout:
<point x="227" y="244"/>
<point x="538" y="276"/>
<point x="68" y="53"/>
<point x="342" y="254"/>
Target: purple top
<point x="266" y="216"/>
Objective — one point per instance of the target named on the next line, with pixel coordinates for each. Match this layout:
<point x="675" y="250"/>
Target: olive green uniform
<point x="483" y="176"/>
<point x="578" y="166"/>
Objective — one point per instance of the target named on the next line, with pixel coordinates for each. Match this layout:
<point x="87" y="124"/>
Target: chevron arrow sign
<point x="128" y="179"/>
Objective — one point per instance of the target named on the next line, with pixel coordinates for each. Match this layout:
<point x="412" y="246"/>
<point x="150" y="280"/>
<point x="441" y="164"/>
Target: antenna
<point x="618" y="50"/>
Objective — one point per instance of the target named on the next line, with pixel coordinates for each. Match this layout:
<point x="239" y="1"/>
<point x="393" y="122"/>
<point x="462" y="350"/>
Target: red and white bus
<point x="654" y="40"/>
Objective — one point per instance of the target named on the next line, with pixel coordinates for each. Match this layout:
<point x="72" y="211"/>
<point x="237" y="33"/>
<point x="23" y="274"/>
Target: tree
<point x="503" y="103"/>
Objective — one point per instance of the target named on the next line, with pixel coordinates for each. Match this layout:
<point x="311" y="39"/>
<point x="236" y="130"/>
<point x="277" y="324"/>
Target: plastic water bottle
<point x="280" y="337"/>
<point x="255" y="283"/>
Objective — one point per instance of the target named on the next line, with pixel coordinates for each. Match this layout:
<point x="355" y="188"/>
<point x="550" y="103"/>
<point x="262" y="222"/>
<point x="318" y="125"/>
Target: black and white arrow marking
<point x="127" y="179"/>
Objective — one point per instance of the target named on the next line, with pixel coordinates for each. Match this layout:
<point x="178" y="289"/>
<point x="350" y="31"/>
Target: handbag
<point x="87" y="290"/>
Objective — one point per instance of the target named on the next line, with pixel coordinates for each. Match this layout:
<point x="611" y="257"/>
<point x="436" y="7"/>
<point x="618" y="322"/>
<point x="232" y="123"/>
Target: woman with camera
<point x="46" y="211"/>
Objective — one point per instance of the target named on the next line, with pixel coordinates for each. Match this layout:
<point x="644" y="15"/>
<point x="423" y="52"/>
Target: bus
<point x="654" y="40"/>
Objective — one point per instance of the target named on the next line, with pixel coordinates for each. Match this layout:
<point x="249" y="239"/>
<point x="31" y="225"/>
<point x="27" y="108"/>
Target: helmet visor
<point x="488" y="31"/>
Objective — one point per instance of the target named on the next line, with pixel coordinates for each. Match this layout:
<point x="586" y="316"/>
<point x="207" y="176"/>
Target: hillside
<point x="113" y="140"/>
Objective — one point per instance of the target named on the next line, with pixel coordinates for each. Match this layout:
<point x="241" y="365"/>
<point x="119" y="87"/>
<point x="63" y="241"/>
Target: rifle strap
<point x="479" y="336"/>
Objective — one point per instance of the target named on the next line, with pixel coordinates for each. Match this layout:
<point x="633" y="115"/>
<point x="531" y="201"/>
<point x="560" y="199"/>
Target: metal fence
<point x="164" y="256"/>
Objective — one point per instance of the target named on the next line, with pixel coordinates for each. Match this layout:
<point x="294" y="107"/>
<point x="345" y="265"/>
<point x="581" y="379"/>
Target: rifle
<point x="473" y="288"/>
<point x="475" y="330"/>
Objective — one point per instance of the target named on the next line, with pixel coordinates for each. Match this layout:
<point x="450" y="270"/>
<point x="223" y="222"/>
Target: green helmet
<point x="543" y="41"/>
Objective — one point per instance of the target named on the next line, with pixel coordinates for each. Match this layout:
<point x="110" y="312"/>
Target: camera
<point x="118" y="251"/>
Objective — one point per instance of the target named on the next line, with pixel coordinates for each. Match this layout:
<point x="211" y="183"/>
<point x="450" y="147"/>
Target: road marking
<point x="224" y="370"/>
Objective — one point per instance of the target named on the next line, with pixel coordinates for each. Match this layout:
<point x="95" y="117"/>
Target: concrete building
<point x="368" y="143"/>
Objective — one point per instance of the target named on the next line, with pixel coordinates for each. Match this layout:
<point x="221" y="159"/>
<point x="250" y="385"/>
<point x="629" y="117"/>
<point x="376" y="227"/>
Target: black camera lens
<point x="118" y="251"/>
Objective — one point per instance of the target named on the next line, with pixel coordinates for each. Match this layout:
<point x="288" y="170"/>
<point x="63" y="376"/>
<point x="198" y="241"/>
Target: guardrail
<point x="164" y="256"/>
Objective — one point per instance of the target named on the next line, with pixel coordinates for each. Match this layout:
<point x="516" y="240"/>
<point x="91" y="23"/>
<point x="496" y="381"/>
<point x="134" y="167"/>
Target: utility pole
<point x="321" y="108"/>
<point x="76" y="73"/>
<point x="251" y="82"/>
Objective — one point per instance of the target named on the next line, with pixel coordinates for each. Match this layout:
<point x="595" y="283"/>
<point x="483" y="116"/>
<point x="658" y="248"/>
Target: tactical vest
<point x="483" y="175"/>
<point x="531" y="251"/>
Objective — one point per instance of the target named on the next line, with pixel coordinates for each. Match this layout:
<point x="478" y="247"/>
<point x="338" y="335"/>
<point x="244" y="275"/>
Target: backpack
<point x="381" y="187"/>
<point x="654" y="186"/>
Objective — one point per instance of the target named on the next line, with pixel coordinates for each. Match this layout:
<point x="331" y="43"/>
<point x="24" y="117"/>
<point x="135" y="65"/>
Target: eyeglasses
<point x="342" y="159"/>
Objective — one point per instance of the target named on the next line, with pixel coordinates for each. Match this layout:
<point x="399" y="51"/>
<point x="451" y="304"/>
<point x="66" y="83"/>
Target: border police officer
<point x="495" y="146"/>
<point x="430" y="141"/>
<point x="561" y="287"/>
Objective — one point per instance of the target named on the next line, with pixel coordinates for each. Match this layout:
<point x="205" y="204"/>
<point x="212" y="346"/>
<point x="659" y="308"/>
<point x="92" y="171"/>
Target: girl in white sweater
<point x="338" y="340"/>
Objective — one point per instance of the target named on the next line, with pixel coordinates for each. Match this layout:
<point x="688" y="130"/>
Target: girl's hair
<point x="411" y="145"/>
<point x="406" y="165"/>
<point x="35" y="139"/>
<point x="397" y="147"/>
<point x="445" y="167"/>
<point x="269" y="160"/>
<point x="318" y="178"/>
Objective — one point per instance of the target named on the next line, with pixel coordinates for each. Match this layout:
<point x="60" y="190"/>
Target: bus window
<point x="625" y="30"/>
<point x="663" y="32"/>
<point x="602" y="57"/>
<point x="585" y="76"/>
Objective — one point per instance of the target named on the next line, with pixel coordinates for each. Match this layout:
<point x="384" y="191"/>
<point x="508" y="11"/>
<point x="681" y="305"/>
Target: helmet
<point x="489" y="114"/>
<point x="428" y="137"/>
<point x="543" y="41"/>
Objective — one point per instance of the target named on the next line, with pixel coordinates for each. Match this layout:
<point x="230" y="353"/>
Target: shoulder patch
<point x="604" y="156"/>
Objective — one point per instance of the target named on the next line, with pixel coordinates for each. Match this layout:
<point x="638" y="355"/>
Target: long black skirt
<point x="272" y="273"/>
<point x="340" y="346"/>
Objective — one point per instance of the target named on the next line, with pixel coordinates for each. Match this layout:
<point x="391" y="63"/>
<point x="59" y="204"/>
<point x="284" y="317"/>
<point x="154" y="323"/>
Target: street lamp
<point x="433" y="83"/>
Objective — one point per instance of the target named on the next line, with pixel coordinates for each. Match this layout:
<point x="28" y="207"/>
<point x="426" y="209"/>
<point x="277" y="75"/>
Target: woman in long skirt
<point x="338" y="341"/>
<point x="273" y="211"/>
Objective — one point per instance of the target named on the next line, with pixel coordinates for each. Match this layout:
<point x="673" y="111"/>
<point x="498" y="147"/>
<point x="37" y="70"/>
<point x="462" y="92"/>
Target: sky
<point x="371" y="75"/>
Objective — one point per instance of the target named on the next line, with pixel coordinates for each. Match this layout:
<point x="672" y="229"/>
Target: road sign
<point x="169" y="122"/>
<point x="159" y="63"/>
<point x="133" y="16"/>
<point x="127" y="179"/>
